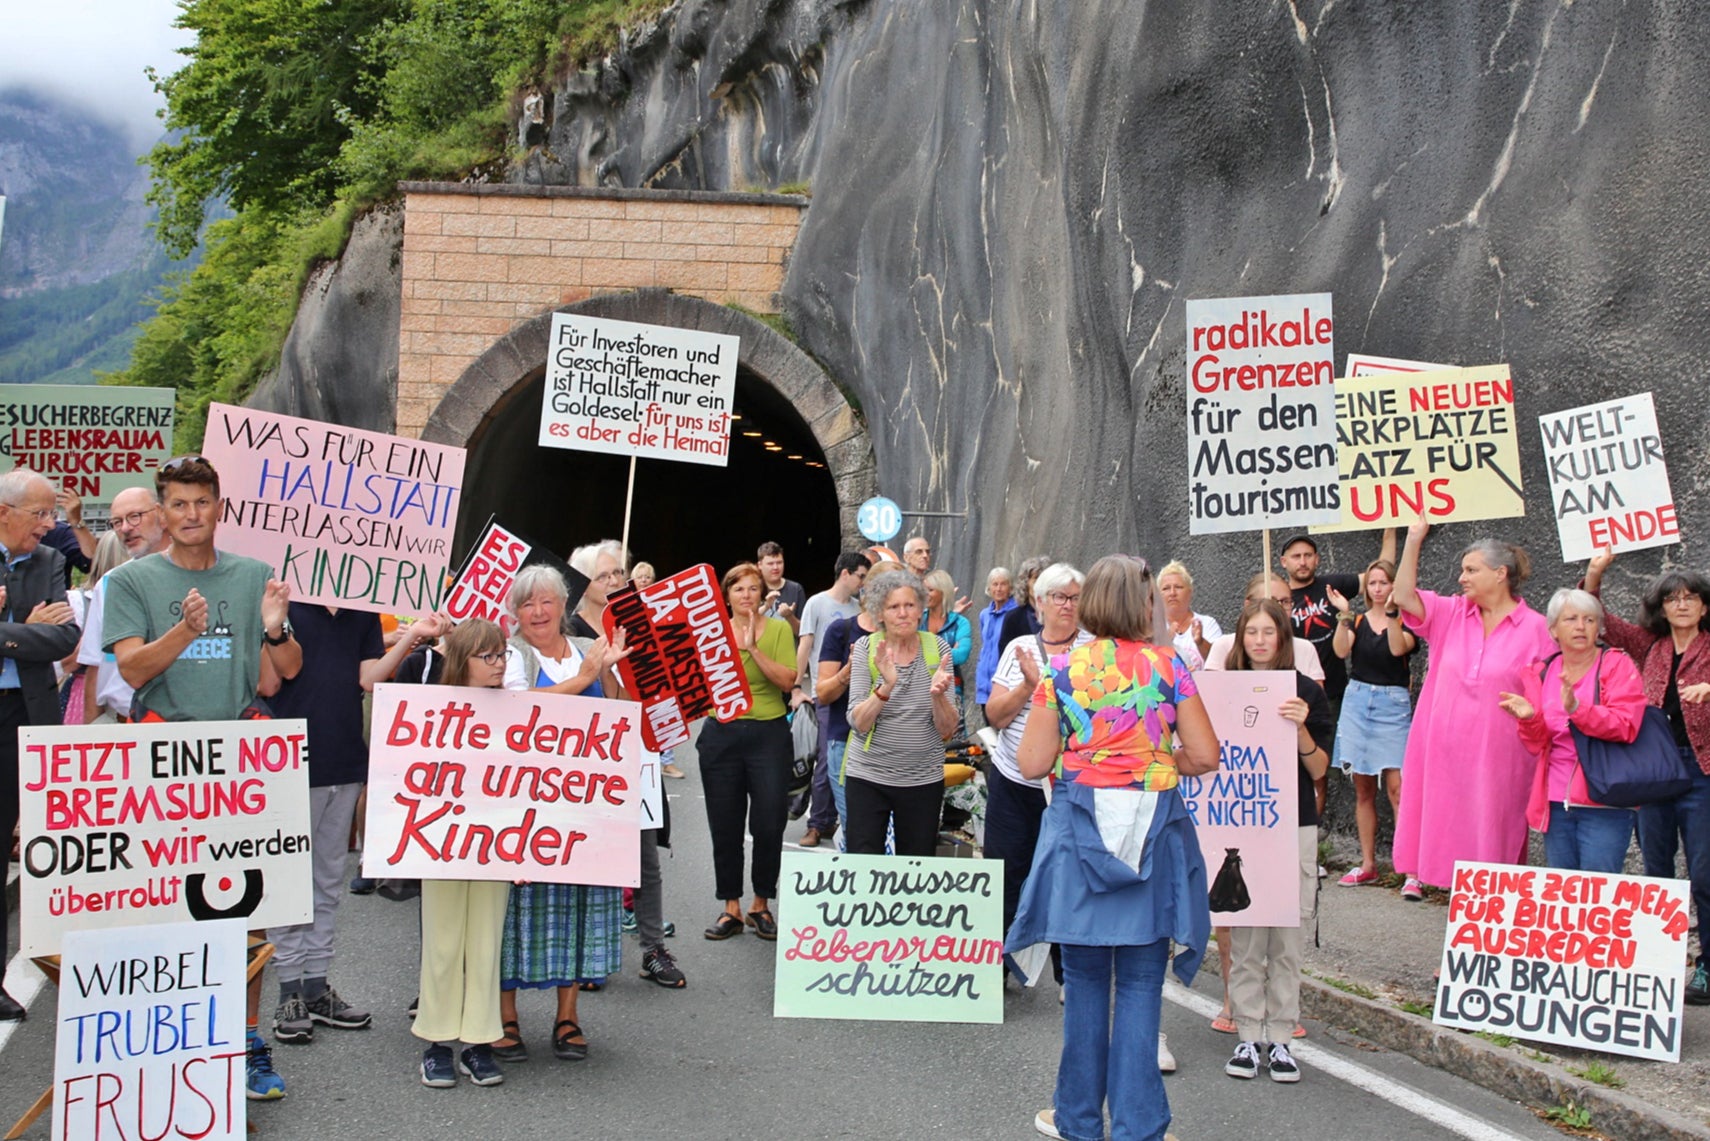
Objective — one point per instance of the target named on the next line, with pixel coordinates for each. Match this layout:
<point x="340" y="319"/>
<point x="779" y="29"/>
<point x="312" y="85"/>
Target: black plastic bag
<point x="1229" y="889"/>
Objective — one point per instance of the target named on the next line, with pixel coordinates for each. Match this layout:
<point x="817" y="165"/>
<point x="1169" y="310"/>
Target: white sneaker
<point x="1166" y="1060"/>
<point x="1244" y="1062"/>
<point x="1046" y="1122"/>
<point x="1282" y="1065"/>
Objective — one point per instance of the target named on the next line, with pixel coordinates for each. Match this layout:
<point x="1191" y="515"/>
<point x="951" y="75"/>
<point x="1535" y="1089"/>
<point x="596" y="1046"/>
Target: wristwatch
<point x="284" y="635"/>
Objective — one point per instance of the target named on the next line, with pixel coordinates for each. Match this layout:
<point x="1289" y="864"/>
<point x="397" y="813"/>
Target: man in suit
<point x="36" y="630"/>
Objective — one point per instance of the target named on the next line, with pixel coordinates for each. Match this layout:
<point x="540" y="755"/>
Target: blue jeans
<point x="834" y="751"/>
<point x="1685" y="821"/>
<point x="1588" y="839"/>
<point x="1112" y="1060"/>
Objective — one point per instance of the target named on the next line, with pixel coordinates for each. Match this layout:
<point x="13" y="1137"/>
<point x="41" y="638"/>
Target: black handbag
<point x="1229" y="889"/>
<point x="1623" y="775"/>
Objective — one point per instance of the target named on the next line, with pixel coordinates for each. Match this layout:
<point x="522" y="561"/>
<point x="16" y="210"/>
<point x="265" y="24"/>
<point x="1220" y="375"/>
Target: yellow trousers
<point x="463" y="930"/>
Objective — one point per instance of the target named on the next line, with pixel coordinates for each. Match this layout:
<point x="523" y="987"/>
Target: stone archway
<point x="487" y="409"/>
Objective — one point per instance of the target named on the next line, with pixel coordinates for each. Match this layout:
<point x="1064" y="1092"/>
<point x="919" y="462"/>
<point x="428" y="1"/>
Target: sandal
<point x="764" y="925"/>
<point x="592" y="986"/>
<point x="563" y="1048"/>
<point x="1223" y="1024"/>
<point x="517" y="1051"/>
<point x="726" y="926"/>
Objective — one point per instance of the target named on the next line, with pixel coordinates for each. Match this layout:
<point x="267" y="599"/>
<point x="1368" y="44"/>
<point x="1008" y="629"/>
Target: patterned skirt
<point x="561" y="934"/>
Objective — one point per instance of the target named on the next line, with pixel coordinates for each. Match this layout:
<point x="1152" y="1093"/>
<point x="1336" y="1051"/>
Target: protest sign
<point x="1248" y="806"/>
<point x="683" y="662"/>
<point x="150" y="1039"/>
<point x="494" y="784"/>
<point x="1261" y="413"/>
<point x="159" y="823"/>
<point x="1584" y="959"/>
<point x="1439" y="444"/>
<point x="626" y="389"/>
<point x="1364" y="364"/>
<point x="482" y="586"/>
<point x="346" y="517"/>
<point x="889" y="939"/>
<point x="1608" y="482"/>
<point x="93" y="439"/>
<point x="651" y="793"/>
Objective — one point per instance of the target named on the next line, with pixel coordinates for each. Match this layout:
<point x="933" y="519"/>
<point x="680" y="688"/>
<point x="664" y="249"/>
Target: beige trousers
<point x="1264" y="969"/>
<point x="463" y="930"/>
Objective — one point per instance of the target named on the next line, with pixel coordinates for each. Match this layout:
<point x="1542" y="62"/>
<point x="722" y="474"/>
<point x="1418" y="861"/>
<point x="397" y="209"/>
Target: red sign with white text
<point x="683" y="662"/>
<point x="484" y="583"/>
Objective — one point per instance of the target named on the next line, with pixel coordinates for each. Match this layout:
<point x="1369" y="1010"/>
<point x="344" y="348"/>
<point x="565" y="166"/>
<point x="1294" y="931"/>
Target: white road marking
<point x="1381" y="1086"/>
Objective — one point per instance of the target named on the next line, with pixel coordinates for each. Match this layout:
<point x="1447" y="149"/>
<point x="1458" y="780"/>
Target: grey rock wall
<point x="1012" y="201"/>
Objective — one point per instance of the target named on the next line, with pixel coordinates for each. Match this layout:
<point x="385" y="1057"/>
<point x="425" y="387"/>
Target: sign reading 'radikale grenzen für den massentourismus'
<point x="1261" y="410"/>
<point x="652" y="391"/>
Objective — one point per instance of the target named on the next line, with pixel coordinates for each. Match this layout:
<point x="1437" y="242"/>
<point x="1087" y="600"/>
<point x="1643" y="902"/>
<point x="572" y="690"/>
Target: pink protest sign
<point x="346" y="517"/>
<point x="490" y="784"/>
<point x="1248" y="807"/>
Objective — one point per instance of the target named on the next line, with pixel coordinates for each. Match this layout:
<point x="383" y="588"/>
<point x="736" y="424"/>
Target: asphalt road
<point x="710" y="1061"/>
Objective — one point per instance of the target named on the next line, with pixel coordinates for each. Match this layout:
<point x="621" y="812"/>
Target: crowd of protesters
<point x="1082" y="688"/>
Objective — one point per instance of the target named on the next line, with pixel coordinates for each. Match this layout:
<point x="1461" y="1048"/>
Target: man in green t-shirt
<point x="200" y="634"/>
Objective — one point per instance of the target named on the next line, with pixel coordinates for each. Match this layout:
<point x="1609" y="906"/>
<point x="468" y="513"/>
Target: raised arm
<point x="1406" y="592"/>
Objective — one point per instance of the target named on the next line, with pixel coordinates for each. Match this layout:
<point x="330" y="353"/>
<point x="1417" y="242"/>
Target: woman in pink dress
<point x="1465" y="777"/>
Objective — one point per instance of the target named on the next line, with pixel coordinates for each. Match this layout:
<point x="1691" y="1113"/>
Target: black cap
<point x="1303" y="537"/>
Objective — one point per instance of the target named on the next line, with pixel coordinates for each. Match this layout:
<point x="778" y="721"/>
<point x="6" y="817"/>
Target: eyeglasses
<point x="135" y="518"/>
<point x="180" y="461"/>
<point x="1058" y="598"/>
<point x="41" y="515"/>
<point x="491" y="657"/>
<point x="1681" y="598"/>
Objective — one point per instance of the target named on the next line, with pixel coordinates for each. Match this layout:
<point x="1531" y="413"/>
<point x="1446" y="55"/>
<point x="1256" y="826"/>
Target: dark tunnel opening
<point x="775" y="487"/>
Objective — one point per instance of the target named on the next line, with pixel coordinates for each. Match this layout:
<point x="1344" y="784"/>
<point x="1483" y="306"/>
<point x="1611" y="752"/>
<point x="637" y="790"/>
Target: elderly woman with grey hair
<point x="1597" y="691"/>
<point x="900" y="714"/>
<point x="1016" y="803"/>
<point x="565" y="936"/>
<point x="1466" y="777"/>
<point x="603" y="563"/>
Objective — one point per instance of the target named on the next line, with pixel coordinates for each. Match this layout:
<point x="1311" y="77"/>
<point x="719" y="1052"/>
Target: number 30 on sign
<point x="879" y="519"/>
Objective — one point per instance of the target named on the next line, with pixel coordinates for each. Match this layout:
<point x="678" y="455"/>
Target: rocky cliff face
<point x="1011" y="202"/>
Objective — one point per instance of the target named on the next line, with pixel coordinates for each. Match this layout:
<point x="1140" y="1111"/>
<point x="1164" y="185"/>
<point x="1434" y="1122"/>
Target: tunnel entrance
<point x="800" y="461"/>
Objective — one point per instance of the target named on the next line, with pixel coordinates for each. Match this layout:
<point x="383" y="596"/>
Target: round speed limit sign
<point x="879" y="519"/>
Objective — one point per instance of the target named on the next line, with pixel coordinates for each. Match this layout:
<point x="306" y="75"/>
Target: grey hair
<point x="1509" y="557"/>
<point x="533" y="579"/>
<point x="1572" y="598"/>
<point x="1055" y="577"/>
<point x="996" y="573"/>
<point x="18" y="483"/>
<point x="110" y="551"/>
<point x="877" y="590"/>
<point x="585" y="558"/>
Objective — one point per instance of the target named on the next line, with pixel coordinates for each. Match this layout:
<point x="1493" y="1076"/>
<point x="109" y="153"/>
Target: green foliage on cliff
<point x="302" y="114"/>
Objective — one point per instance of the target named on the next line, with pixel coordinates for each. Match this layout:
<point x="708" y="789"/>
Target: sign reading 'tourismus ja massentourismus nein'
<point x="627" y="389"/>
<point x="1261" y="411"/>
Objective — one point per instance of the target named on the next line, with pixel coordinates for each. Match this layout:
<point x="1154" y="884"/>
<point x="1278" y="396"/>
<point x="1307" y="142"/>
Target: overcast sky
<point x="93" y="52"/>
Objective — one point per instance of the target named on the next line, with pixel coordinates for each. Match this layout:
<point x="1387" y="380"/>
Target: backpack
<point x="929" y="657"/>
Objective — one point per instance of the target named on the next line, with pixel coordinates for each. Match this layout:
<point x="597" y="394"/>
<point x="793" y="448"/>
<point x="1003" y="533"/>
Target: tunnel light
<point x="794" y="457"/>
<point x="754" y="435"/>
<point x="774" y="448"/>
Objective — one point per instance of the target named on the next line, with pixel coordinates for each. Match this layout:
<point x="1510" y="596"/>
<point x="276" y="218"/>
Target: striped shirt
<point x="906" y="749"/>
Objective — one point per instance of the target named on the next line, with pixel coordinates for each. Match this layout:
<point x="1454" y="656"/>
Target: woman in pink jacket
<point x="1599" y="692"/>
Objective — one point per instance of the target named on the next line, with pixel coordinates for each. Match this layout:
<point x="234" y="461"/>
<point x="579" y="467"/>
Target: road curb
<point x="1500" y="1070"/>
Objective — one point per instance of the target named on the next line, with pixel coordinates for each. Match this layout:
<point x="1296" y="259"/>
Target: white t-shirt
<point x="1188" y="649"/>
<point x="556" y="669"/>
<point x="111" y="692"/>
<point x="1008" y="674"/>
<point x="817" y="616"/>
<point x="1305" y="657"/>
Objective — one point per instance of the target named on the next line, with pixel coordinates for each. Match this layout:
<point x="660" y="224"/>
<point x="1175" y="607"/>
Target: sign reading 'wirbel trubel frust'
<point x="1261" y="409"/>
<point x="627" y="389"/>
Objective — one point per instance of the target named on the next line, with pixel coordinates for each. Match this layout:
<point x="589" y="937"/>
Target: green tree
<point x="262" y="107"/>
